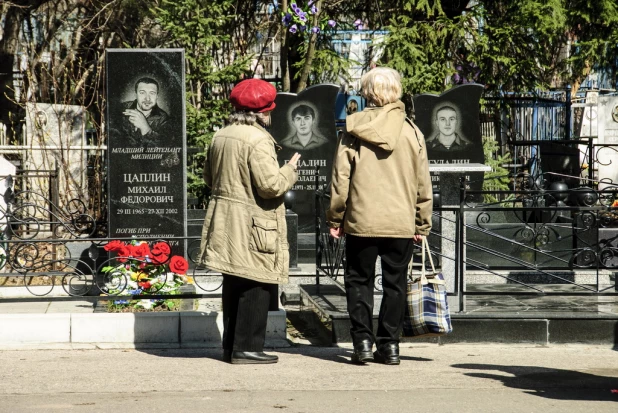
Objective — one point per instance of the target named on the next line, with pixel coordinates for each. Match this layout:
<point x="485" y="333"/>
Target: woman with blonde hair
<point x="381" y="198"/>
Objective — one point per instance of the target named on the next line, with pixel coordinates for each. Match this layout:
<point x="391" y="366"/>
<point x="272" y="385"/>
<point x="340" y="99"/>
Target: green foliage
<point x="327" y="65"/>
<point x="593" y="27"/>
<point x="519" y="45"/>
<point x="497" y="179"/>
<point x="204" y="29"/>
<point x="421" y="48"/>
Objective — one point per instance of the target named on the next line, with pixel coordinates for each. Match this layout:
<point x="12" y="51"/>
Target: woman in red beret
<point x="245" y="234"/>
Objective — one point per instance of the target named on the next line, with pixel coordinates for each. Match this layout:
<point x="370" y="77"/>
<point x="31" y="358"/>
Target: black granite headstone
<point x="146" y="166"/>
<point x="450" y="123"/>
<point x="305" y="123"/>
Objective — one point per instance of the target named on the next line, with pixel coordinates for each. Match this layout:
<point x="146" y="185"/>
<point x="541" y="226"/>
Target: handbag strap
<point x="423" y="271"/>
<point x="428" y="252"/>
<point x="432" y="279"/>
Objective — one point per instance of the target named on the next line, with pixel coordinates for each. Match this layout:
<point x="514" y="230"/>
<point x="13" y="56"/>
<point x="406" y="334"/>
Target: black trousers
<point x="245" y="313"/>
<point x="361" y="256"/>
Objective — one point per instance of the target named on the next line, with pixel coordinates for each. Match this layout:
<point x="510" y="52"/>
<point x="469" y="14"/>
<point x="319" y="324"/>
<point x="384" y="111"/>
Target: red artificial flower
<point x="179" y="265"/>
<point x="160" y="252"/>
<point x="145" y="284"/>
<point x="114" y="245"/>
<point x="161" y="248"/>
<point x="141" y="251"/>
<point x="123" y="252"/>
<point x="160" y="258"/>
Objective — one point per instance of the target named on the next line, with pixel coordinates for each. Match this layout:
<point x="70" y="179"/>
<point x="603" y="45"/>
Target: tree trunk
<point x="8" y="49"/>
<point x="580" y="78"/>
<point x="283" y="55"/>
<point x="304" y="74"/>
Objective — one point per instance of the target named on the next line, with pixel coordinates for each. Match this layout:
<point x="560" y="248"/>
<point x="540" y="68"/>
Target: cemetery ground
<point x="312" y="375"/>
<point x="313" y="378"/>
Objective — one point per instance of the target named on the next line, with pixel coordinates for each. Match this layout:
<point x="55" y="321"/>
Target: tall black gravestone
<point x="450" y="123"/>
<point x="146" y="166"/>
<point x="305" y="123"/>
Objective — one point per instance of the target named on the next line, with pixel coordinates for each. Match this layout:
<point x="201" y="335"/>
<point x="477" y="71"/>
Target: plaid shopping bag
<point x="426" y="304"/>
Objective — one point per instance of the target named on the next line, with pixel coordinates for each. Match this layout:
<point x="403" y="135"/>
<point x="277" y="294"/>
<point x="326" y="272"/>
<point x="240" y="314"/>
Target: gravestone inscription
<point x="305" y="123"/>
<point x="146" y="144"/>
<point x="450" y="123"/>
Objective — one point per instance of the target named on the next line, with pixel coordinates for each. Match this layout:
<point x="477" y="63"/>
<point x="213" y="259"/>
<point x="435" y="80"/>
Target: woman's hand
<point x="336" y="232"/>
<point x="294" y="161"/>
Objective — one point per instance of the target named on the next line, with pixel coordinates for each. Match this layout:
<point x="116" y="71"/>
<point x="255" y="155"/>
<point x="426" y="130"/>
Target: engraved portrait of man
<point x="142" y="119"/>
<point x="447" y="139"/>
<point x="305" y="136"/>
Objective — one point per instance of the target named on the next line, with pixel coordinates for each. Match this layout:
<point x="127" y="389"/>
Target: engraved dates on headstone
<point x="146" y="147"/>
<point x="305" y="123"/>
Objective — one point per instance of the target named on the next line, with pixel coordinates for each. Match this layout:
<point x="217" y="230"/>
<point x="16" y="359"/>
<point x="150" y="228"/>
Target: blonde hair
<point x="249" y="118"/>
<point x="381" y="86"/>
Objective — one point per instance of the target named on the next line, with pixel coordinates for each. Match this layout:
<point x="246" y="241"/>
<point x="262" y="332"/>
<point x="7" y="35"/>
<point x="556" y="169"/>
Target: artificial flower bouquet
<point x="144" y="270"/>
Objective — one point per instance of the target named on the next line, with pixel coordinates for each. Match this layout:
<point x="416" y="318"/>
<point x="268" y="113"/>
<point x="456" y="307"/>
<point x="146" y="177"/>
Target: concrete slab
<point x="125" y="328"/>
<point x="30" y="291"/>
<point x="201" y="327"/>
<point x="34" y="328"/>
<point x="24" y="308"/>
<point x="70" y="307"/>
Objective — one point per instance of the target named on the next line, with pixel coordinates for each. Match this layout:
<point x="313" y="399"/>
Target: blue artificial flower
<point x="314" y="9"/>
<point x="332" y="23"/>
<point x="293" y="29"/>
<point x="303" y="17"/>
<point x="358" y="24"/>
<point x="287" y="19"/>
<point x="315" y="29"/>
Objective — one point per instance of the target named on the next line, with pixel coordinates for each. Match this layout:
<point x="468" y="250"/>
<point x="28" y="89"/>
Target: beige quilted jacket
<point x="380" y="184"/>
<point x="244" y="232"/>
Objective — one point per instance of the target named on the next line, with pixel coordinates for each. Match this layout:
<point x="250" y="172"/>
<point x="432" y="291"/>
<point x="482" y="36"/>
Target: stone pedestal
<point x="450" y="178"/>
<point x="291" y="220"/>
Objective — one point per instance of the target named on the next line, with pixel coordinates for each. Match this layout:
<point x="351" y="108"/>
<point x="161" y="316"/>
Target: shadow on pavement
<point x="338" y="355"/>
<point x="199" y="353"/>
<point x="550" y="383"/>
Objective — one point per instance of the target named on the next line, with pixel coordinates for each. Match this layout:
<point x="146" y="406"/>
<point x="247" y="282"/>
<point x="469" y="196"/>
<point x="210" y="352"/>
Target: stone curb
<point x="188" y="329"/>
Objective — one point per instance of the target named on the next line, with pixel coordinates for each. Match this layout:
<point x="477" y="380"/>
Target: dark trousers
<point x="361" y="256"/>
<point x="245" y="313"/>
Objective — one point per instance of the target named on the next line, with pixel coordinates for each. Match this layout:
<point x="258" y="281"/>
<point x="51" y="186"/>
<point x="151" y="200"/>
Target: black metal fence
<point x="59" y="253"/>
<point x="529" y="239"/>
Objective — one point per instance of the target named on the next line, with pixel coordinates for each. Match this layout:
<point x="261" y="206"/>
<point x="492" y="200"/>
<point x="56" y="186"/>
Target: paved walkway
<point x="449" y="378"/>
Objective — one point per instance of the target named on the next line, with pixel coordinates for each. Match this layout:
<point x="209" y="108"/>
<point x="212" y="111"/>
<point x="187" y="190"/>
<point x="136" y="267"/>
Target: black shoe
<point x="252" y="357"/>
<point x="362" y="352"/>
<point x="387" y="354"/>
<point x="227" y="355"/>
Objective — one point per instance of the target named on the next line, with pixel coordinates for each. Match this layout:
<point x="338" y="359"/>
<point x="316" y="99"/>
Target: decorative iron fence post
<point x="567" y="120"/>
<point x="318" y="249"/>
<point x="459" y="246"/>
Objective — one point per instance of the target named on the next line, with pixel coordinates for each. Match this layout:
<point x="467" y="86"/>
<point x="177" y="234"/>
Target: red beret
<point x="254" y="95"/>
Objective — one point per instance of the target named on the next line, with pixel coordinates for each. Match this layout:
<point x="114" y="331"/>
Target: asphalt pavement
<point x="449" y="378"/>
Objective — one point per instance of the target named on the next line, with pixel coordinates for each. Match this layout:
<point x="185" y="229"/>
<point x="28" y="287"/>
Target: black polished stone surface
<point x="146" y="171"/>
<point x="462" y="102"/>
<point x="291" y="220"/>
<point x="315" y="165"/>
<point x="511" y="317"/>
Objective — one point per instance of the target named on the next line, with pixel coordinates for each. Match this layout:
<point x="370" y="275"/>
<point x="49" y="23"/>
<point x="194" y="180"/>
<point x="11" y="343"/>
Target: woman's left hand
<point x="336" y="232"/>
